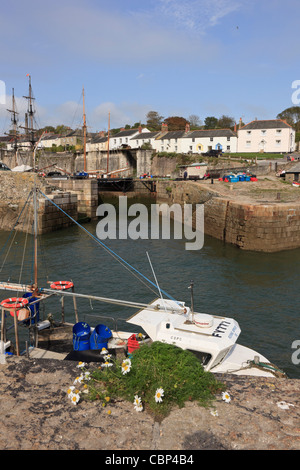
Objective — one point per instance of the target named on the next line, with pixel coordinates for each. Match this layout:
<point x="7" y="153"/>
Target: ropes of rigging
<point x="110" y="251"/>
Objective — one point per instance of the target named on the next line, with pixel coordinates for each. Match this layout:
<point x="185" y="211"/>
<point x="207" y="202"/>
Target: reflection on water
<point x="259" y="290"/>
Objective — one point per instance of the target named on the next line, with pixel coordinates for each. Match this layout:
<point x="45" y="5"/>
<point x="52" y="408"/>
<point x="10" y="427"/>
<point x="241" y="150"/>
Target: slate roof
<point x="145" y="135"/>
<point x="210" y="133"/>
<point x="98" y="139"/>
<point x="172" y="135"/>
<point x="294" y="169"/>
<point x="267" y="124"/>
<point x="126" y="133"/>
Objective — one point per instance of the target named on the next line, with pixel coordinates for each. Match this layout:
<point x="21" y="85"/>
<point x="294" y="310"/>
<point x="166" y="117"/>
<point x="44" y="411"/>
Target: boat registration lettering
<point x="221" y="328"/>
<point x="176" y="338"/>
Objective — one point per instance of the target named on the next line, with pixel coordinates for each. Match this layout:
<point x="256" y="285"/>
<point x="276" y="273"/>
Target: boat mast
<point x="107" y="167"/>
<point x="35" y="226"/>
<point x="84" y="133"/>
<point x="30" y="114"/>
<point x="14" y="121"/>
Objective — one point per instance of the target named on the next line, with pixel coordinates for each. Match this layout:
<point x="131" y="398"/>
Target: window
<point x="248" y="132"/>
<point x="228" y="139"/>
<point x="228" y="147"/>
<point x="263" y="131"/>
<point x="278" y="143"/>
<point x="278" y="131"/>
<point x="248" y="143"/>
<point x="176" y="148"/>
<point x="211" y="139"/>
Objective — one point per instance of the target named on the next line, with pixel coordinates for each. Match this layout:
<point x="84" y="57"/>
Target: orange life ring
<point x="14" y="303"/>
<point x="60" y="285"/>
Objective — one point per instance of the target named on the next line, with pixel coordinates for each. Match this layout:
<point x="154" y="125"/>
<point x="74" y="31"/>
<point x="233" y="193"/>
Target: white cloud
<point x="198" y="15"/>
<point x="120" y="114"/>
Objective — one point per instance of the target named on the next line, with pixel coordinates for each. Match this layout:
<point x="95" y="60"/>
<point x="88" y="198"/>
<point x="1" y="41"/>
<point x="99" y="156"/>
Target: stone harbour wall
<point x="263" y="414"/>
<point x="87" y="194"/>
<point x="254" y="227"/>
<point x="51" y="218"/>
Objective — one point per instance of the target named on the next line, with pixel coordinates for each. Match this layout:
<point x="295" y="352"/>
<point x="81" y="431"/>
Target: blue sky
<point x="176" y="57"/>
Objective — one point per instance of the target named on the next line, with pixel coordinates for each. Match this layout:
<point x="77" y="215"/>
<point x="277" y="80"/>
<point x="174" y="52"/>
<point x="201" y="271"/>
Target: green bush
<point x="159" y="366"/>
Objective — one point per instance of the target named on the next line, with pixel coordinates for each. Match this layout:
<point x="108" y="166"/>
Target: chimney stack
<point x="187" y="127"/>
<point x="164" y="127"/>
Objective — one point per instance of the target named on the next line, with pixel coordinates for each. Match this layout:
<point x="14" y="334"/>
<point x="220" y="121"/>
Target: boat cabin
<point x="209" y="337"/>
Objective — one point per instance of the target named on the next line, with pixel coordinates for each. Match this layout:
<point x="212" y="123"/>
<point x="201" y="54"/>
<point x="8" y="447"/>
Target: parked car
<point x="212" y="153"/>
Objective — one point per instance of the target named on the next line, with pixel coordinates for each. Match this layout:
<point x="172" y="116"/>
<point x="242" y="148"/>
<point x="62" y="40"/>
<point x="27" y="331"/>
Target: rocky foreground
<point x="36" y="414"/>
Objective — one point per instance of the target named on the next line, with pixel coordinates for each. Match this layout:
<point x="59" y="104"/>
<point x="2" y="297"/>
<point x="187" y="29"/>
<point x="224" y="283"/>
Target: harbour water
<point x="259" y="290"/>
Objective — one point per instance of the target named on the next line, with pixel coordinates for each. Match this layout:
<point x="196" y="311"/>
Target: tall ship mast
<point x="29" y="116"/>
<point x="14" y="121"/>
<point x="84" y="132"/>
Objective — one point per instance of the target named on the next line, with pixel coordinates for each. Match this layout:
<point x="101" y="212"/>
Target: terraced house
<point x="270" y="136"/>
<point x="202" y="141"/>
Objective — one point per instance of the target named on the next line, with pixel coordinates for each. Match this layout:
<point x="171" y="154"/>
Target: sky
<point x="177" y="57"/>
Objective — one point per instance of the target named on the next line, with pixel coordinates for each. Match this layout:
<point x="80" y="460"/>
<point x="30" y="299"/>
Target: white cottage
<point x="201" y="141"/>
<point x="144" y="138"/>
<point x="169" y="141"/>
<point x="97" y="142"/>
<point x="272" y="136"/>
<point x="122" y="138"/>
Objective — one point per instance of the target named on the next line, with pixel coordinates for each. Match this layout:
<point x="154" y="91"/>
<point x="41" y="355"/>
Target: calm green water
<point x="260" y="291"/>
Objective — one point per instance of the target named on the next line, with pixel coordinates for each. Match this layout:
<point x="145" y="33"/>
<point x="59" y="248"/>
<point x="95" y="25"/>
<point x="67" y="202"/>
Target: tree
<point x="291" y="116"/>
<point x="195" y="121"/>
<point x="226" y="122"/>
<point x="154" y="121"/>
<point x="176" y="123"/>
<point x="210" y="122"/>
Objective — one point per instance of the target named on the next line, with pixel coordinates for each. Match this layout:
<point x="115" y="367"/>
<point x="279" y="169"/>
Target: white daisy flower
<point x="70" y="391"/>
<point x="126" y="365"/>
<point x="106" y="364"/>
<point x="138" y="407"/>
<point x="81" y="364"/>
<point x="137" y="400"/>
<point x="79" y="379"/>
<point x="104" y="351"/>
<point x="158" y="395"/>
<point x="226" y="397"/>
<point x="75" y="398"/>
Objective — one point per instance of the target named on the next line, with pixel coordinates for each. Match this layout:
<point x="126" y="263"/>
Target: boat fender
<point x="61" y="285"/>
